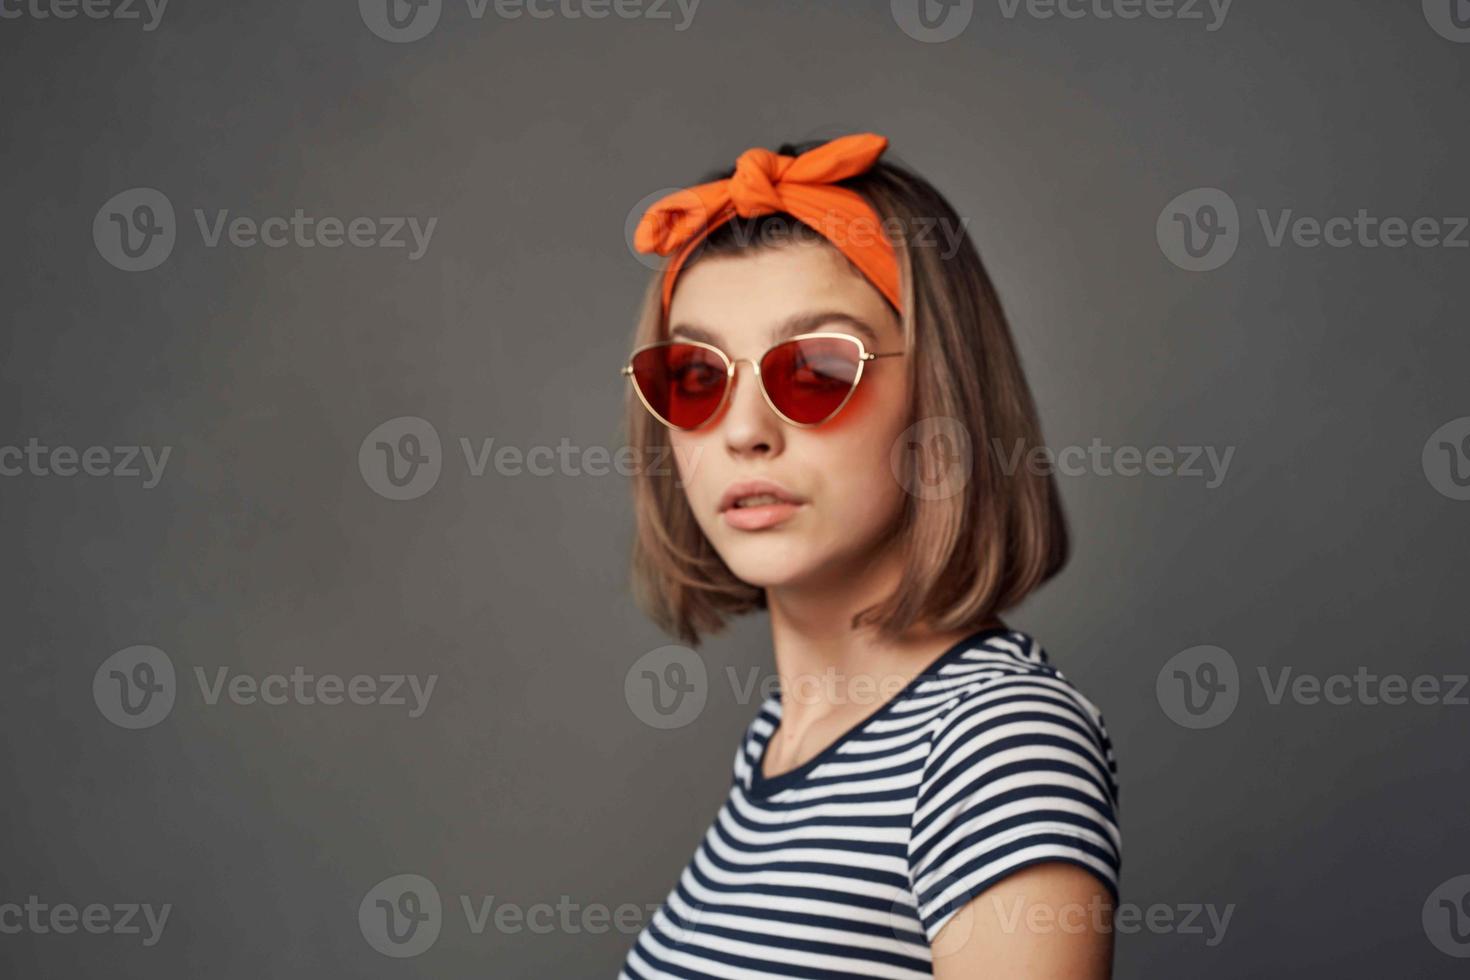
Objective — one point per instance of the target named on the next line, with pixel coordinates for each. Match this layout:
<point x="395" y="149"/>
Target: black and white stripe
<point x="849" y="865"/>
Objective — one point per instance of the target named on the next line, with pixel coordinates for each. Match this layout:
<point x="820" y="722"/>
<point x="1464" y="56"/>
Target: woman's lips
<point x="762" y="516"/>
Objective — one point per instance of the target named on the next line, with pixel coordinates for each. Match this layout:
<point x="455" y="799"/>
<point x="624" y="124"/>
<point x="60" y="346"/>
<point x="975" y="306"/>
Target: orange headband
<point x="766" y="182"/>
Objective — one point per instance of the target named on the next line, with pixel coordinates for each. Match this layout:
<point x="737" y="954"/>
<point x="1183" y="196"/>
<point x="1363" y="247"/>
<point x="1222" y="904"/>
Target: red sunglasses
<point x="806" y="380"/>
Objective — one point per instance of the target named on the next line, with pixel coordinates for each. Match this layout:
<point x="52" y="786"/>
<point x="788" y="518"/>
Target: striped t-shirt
<point x="849" y="865"/>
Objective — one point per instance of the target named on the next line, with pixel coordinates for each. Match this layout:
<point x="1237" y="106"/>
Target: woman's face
<point x="839" y="470"/>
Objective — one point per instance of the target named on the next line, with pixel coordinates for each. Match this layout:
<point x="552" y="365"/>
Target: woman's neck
<point x="829" y="670"/>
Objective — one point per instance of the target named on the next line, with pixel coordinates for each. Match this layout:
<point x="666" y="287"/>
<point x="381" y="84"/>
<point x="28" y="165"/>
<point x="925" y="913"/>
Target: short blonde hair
<point x="968" y="556"/>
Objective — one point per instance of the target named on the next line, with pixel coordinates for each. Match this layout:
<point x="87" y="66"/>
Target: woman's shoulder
<point x="1009" y="713"/>
<point x="1019" y="770"/>
<point x="1005" y="673"/>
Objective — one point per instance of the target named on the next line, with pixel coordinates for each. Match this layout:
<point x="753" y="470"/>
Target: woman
<point x="926" y="795"/>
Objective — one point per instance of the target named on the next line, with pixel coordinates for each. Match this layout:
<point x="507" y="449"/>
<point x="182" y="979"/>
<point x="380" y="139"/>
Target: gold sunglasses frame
<point x="864" y="356"/>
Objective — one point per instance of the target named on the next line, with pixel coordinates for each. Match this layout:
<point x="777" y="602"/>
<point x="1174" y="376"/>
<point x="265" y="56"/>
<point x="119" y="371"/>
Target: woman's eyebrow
<point x="809" y="322"/>
<point x="695" y="333"/>
<point x="798" y="324"/>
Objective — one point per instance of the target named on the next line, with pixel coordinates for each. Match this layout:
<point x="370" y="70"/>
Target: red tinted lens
<point x="682" y="383"/>
<point x="808" y="379"/>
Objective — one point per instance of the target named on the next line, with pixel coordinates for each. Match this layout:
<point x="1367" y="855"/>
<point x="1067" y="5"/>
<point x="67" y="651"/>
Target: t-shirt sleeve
<point x="1020" y="771"/>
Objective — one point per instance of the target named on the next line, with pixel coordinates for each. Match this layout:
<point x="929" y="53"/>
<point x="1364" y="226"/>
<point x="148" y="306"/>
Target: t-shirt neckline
<point x="761" y="786"/>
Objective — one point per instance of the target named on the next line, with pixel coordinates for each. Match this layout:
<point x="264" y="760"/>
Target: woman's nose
<point x="749" y="425"/>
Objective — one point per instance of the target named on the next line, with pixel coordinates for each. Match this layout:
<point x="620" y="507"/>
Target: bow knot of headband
<point x="764" y="183"/>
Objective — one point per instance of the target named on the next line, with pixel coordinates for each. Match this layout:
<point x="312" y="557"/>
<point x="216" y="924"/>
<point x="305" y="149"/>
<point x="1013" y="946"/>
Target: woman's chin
<point x="772" y="569"/>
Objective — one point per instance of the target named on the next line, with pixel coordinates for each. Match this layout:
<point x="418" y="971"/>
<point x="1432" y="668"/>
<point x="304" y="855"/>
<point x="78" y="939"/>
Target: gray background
<point x="530" y="777"/>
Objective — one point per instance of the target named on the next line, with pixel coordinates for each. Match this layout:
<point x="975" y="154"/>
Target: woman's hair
<point x="967" y="556"/>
